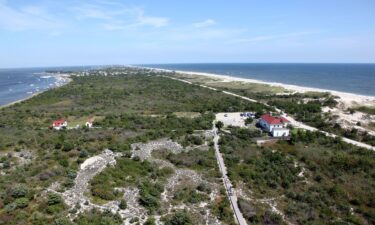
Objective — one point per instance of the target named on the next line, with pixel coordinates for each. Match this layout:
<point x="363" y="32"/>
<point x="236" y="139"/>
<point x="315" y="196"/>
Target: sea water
<point x="17" y="84"/>
<point x="351" y="78"/>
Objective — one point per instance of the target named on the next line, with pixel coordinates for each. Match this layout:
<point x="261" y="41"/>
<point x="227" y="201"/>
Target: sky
<point x="101" y="32"/>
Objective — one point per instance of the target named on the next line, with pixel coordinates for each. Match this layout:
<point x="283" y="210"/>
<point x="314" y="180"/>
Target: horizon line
<point x="179" y="63"/>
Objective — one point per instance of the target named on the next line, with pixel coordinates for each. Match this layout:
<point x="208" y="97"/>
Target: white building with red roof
<point x="277" y="126"/>
<point x="59" y="124"/>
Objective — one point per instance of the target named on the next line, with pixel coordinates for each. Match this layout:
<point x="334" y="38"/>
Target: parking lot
<point x="233" y="119"/>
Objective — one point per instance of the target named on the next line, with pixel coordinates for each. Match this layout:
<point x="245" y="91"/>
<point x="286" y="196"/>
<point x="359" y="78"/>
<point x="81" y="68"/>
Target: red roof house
<point x="58" y="124"/>
<point x="274" y="120"/>
<point x="277" y="126"/>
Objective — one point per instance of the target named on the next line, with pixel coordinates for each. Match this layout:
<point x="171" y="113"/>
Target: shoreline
<point x="61" y="80"/>
<point x="347" y="98"/>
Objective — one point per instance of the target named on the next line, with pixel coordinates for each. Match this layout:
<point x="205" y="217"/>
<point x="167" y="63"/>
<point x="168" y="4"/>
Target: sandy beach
<point x="348" y="99"/>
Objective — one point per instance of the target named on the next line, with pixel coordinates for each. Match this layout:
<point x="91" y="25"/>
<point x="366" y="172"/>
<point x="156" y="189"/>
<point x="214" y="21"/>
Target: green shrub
<point x="179" y="218"/>
<point x="150" y="195"/>
<point x="150" y="221"/>
<point x="19" y="191"/>
<point x="123" y="205"/>
<point x="95" y="217"/>
<point x="22" y="202"/>
<point x="103" y="192"/>
<point x="67" y="146"/>
<point x="53" y="198"/>
<point x="62" y="221"/>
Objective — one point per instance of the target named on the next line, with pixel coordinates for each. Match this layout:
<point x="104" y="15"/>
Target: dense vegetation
<point x="337" y="185"/>
<point x="128" y="108"/>
<point x="313" y="179"/>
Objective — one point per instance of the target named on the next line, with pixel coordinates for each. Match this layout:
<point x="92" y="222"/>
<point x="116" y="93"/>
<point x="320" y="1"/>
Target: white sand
<point x="231" y="119"/>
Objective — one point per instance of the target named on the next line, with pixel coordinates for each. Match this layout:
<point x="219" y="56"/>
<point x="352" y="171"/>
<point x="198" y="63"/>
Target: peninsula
<point x="131" y="145"/>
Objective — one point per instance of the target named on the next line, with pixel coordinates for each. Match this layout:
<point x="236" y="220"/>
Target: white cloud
<point x="118" y="17"/>
<point x="207" y="34"/>
<point x="151" y="21"/>
<point x="91" y="11"/>
<point x="273" y="36"/>
<point x="206" y="23"/>
<point x="27" y="18"/>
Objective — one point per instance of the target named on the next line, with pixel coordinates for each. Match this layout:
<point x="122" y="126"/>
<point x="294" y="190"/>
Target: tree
<point x="179" y="218"/>
<point x="67" y="146"/>
<point x="123" y="205"/>
<point x="19" y="191"/>
<point x="248" y="120"/>
<point x="53" y="198"/>
<point x="150" y="221"/>
<point x="22" y="202"/>
<point x="219" y="125"/>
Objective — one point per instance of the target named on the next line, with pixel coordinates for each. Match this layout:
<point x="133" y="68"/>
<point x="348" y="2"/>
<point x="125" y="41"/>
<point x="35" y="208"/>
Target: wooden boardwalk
<point x="227" y="183"/>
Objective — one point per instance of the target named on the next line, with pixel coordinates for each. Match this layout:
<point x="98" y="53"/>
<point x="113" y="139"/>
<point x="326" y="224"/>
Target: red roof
<point x="58" y="123"/>
<point x="274" y="120"/>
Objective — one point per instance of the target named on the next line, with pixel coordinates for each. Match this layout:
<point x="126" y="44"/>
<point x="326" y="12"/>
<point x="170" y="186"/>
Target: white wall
<point x="280" y="133"/>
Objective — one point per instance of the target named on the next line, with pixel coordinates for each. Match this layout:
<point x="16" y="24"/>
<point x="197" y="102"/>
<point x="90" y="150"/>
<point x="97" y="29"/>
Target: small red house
<point x="58" y="124"/>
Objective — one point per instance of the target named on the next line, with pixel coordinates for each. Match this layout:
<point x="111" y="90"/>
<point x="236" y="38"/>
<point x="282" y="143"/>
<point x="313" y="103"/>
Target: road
<point x="294" y="123"/>
<point x="227" y="183"/>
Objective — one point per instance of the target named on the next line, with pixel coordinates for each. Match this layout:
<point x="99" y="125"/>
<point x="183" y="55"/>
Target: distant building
<point x="276" y="126"/>
<point x="59" y="124"/>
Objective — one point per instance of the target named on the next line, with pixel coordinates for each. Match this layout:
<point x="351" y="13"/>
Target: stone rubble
<point x="90" y="167"/>
<point x="143" y="151"/>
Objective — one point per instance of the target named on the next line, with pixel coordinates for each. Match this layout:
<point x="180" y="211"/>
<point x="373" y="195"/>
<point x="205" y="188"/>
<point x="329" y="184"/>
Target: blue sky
<point x="98" y="32"/>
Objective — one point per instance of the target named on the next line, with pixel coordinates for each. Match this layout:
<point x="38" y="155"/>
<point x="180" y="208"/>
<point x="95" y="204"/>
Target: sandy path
<point x="293" y="121"/>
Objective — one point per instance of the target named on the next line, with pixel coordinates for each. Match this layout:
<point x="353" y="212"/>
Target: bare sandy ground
<point x="231" y="119"/>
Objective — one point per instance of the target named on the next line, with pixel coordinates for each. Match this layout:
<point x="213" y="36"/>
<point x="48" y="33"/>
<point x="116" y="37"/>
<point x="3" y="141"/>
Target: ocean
<point x="17" y="84"/>
<point x="350" y="78"/>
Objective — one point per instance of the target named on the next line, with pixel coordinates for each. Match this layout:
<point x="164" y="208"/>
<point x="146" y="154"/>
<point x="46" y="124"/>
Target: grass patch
<point x="366" y="109"/>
